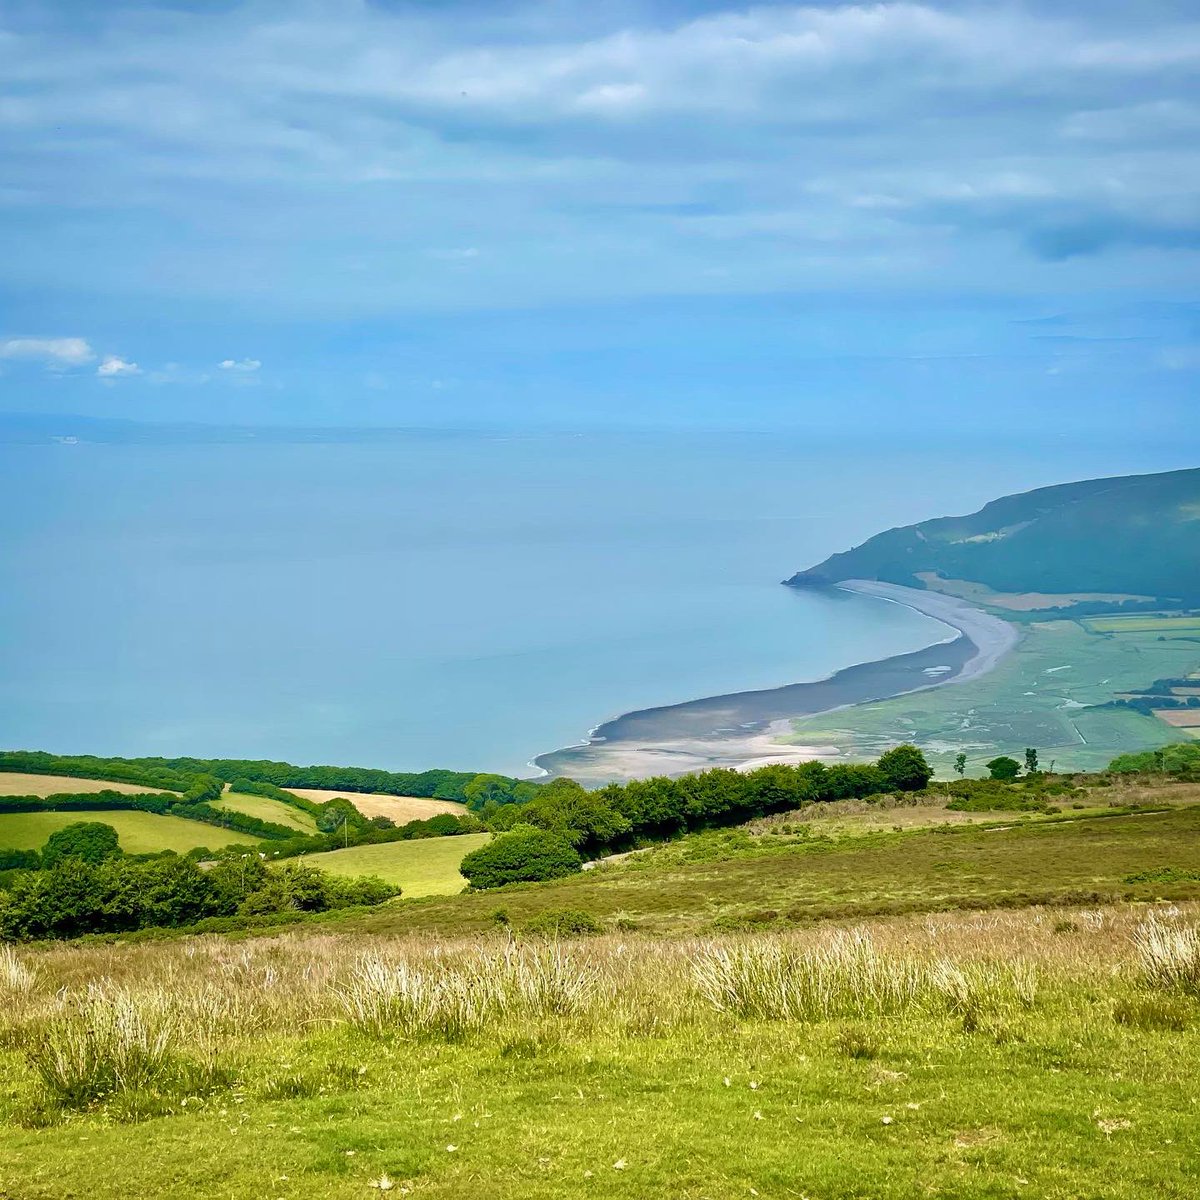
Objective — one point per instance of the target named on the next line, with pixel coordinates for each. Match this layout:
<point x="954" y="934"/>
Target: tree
<point x="581" y="817"/>
<point x="905" y="769"/>
<point x="960" y="763"/>
<point x="1031" y="761"/>
<point x="91" y="841"/>
<point x="525" y="854"/>
<point x="1004" y="768"/>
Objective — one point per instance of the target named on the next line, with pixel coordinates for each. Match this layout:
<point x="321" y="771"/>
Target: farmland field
<point x="1147" y="624"/>
<point x="17" y="783"/>
<point x="1038" y="696"/>
<point x="422" y="867"/>
<point x="139" y="833"/>
<point x="1180" y="718"/>
<point x="400" y="809"/>
<point x="266" y="809"/>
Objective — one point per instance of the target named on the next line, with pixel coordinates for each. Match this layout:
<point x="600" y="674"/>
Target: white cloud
<point x="115" y="368"/>
<point x="244" y="365"/>
<point x="57" y="352"/>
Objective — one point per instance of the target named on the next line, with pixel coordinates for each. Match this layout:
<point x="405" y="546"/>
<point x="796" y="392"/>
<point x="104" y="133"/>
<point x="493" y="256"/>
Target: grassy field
<point x="1148" y="624"/>
<point x="1035" y="697"/>
<point x="400" y="809"/>
<point x="16" y="783"/>
<point x="727" y="880"/>
<point x="139" y="833"/>
<point x="424" y="867"/>
<point x="266" y="809"/>
<point x="963" y="1057"/>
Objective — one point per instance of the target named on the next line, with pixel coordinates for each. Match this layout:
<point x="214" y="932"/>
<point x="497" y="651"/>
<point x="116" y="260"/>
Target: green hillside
<point x="1137" y="535"/>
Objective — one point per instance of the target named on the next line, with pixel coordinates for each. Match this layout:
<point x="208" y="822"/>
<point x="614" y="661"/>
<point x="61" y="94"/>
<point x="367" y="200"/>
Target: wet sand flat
<point x="741" y="729"/>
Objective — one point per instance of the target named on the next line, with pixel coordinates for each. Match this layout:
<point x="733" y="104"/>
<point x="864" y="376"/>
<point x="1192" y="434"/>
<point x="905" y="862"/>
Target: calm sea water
<point x="465" y="601"/>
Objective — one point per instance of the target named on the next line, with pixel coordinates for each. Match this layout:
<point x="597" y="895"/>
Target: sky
<point x="895" y="217"/>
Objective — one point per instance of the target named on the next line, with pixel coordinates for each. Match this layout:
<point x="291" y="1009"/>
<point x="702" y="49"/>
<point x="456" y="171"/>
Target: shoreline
<point x="739" y="729"/>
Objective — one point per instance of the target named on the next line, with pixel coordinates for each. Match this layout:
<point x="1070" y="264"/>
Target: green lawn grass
<point x="266" y="809"/>
<point x="1062" y="1109"/>
<point x="1035" y="697"/>
<point x="139" y="833"/>
<point x="423" y="867"/>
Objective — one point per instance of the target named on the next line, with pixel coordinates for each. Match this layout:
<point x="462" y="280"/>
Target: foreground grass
<point x="1009" y="1055"/>
<point x="423" y="867"/>
<point x="139" y="833"/>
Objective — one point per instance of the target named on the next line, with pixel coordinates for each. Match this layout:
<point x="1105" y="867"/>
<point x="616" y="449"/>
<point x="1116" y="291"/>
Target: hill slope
<point x="1135" y="535"/>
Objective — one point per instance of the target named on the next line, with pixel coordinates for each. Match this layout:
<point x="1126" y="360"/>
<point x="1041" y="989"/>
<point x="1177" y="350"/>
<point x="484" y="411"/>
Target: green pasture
<point x="1035" y="697"/>
<point x="266" y="809"/>
<point x="139" y="832"/>
<point x="422" y="867"/>
<point x="1147" y="624"/>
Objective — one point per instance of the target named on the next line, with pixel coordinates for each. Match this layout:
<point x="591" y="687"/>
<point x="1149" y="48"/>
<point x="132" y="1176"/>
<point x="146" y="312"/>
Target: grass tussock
<point x="1169" y="954"/>
<point x="103" y="1044"/>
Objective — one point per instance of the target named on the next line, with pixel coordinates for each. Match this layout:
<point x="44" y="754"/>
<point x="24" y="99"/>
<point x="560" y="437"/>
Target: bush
<point x="1004" y="767"/>
<point x="525" y="855"/>
<point x="904" y="768"/>
<point x="90" y="841"/>
<point x="562" y="923"/>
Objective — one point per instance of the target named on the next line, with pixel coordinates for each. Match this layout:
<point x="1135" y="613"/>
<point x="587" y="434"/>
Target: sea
<point x="446" y="599"/>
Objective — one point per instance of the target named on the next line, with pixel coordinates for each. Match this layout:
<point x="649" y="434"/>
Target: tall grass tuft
<point x="843" y="976"/>
<point x="104" y="1044"/>
<point x="443" y="1003"/>
<point x="1168" y="954"/>
<point x="16" y="977"/>
<point x="550" y="982"/>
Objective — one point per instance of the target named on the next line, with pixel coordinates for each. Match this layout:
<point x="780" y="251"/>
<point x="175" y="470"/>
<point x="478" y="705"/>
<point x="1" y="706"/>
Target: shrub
<point x="905" y="769"/>
<point x="562" y="923"/>
<point x="1004" y="767"/>
<point x="524" y="855"/>
<point x="91" y="841"/>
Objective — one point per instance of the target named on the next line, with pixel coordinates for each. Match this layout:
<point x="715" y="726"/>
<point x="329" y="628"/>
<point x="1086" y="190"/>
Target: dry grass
<point x="400" y="809"/>
<point x="212" y="991"/>
<point x="16" y="783"/>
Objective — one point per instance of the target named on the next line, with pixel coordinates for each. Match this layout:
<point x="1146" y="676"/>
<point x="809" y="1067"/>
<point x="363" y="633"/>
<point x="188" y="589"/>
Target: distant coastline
<point x="740" y="728"/>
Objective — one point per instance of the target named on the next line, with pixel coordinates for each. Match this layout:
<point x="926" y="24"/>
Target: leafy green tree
<point x="1031" y="761"/>
<point x="905" y="768"/>
<point x="525" y="854"/>
<point x="960" y="763"/>
<point x="1004" y="768"/>
<point x="91" y="841"/>
<point x="581" y="817"/>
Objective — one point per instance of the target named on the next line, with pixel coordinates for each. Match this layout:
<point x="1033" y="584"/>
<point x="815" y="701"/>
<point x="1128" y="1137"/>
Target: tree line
<point x="176" y="774"/>
<point x="565" y="822"/>
<point x="90" y="887"/>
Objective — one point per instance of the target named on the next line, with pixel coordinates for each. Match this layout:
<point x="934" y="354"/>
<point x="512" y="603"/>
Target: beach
<point x="742" y="729"/>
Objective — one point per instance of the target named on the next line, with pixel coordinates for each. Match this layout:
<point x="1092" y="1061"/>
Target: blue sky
<point x="897" y="216"/>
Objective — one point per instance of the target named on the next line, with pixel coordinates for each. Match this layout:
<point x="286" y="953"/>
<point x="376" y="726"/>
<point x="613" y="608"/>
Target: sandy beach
<point x="742" y="729"/>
